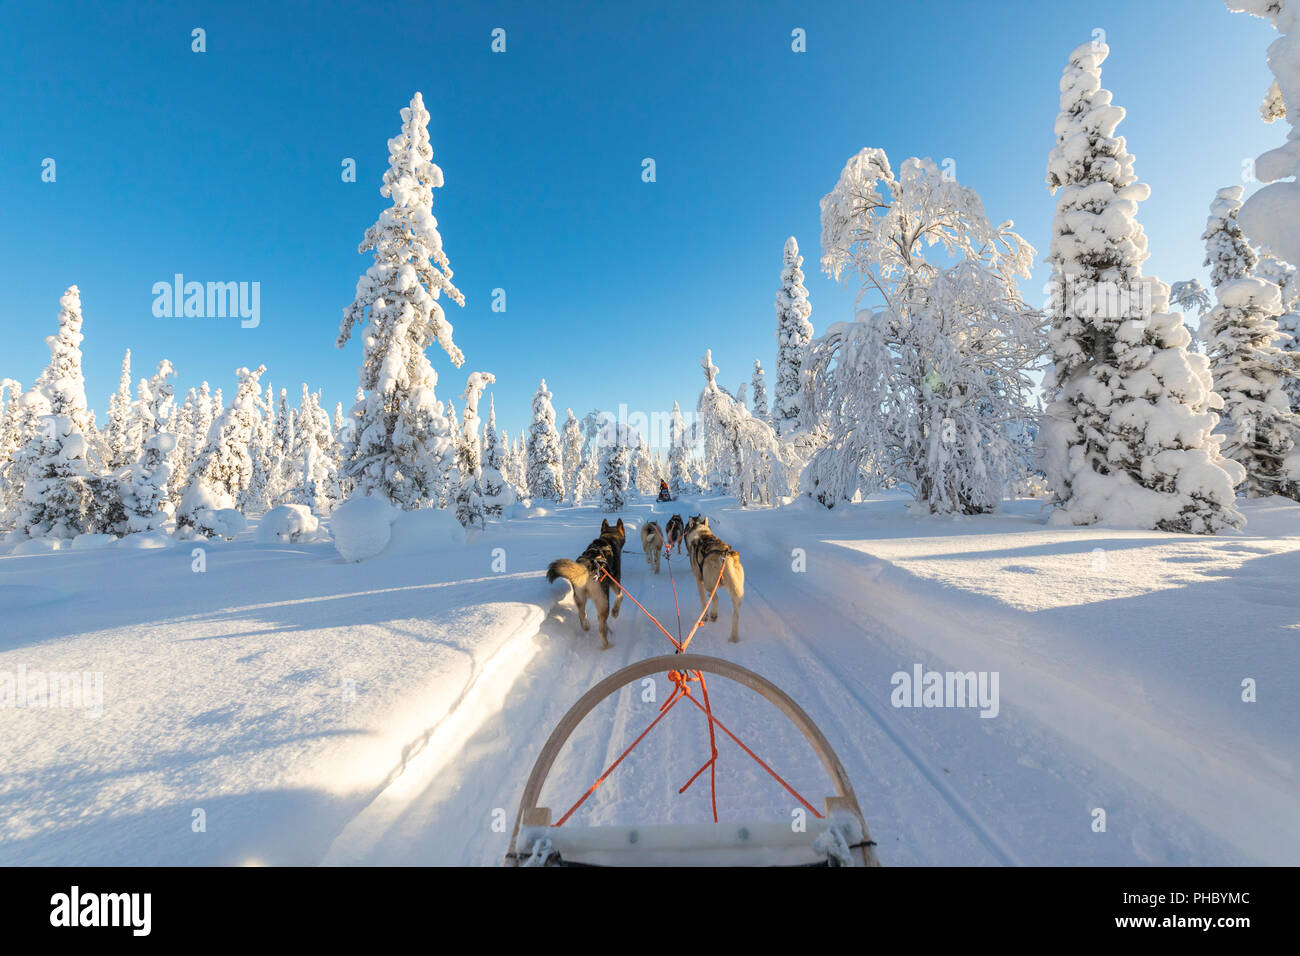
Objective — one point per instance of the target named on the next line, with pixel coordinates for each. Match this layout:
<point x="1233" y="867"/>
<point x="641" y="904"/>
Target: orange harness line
<point x="681" y="689"/>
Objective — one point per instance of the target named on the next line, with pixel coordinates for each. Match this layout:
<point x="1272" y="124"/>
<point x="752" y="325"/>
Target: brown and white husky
<point x="652" y="543"/>
<point x="711" y="556"/>
<point x="584" y="575"/>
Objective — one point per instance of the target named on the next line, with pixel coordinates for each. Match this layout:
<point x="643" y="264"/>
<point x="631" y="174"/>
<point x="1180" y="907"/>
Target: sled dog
<point x="711" y="556"/>
<point x="673" y="532"/>
<point x="586" y="580"/>
<point x="652" y="543"/>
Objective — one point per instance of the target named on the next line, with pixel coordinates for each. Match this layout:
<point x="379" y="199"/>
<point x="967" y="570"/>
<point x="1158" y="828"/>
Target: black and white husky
<point x="585" y="576"/>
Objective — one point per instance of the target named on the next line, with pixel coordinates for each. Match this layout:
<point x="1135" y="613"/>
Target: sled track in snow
<point x="806" y="651"/>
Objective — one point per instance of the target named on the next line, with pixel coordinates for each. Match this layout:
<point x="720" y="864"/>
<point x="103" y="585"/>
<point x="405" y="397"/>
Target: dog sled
<point x="836" y="835"/>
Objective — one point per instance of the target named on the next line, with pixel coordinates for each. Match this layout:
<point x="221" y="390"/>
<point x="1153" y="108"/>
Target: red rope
<point x="680" y="681"/>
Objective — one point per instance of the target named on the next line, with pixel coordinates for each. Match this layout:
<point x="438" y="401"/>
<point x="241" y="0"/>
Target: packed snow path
<point x="388" y="712"/>
<point x="936" y="785"/>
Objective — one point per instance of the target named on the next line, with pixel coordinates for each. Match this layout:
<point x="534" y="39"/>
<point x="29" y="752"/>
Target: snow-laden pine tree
<point x="403" y="448"/>
<point x="741" y="452"/>
<point x="758" y="385"/>
<point x="572" y="442"/>
<point x="12" y="437"/>
<point x="545" y="467"/>
<point x="62" y="381"/>
<point x="613" y="443"/>
<point x="469" y="455"/>
<point x="1282" y="275"/>
<point x="1185" y="296"/>
<point x="224" y="467"/>
<point x="1128" y="437"/>
<point x="122" y="439"/>
<point x="314" y="455"/>
<point x="641" y="472"/>
<point x="929" y="388"/>
<point x="679" y="453"/>
<point x="497" y="493"/>
<point x="1248" y="368"/>
<point x="1269" y="216"/>
<point x="793" y="333"/>
<point x="145" y="501"/>
<point x="147" y="487"/>
<point x="58" y="488"/>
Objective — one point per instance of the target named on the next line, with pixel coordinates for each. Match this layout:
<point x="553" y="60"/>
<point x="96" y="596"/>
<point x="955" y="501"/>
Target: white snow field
<point x="388" y="711"/>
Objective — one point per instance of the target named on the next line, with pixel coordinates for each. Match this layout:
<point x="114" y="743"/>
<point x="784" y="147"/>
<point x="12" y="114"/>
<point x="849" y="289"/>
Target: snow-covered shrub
<point x="286" y="523"/>
<point x="91" y="541"/>
<point x="362" y="527"/>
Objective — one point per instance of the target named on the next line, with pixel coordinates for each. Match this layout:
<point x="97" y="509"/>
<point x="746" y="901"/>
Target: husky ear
<point x="620" y="524"/>
<point x="604" y="525"/>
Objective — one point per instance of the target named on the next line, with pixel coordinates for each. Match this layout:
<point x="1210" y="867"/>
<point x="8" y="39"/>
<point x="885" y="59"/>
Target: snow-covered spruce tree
<point x="641" y="471"/>
<point x="1128" y="437"/>
<point x="589" y="475"/>
<point x="613" y="443"/>
<point x="62" y="382"/>
<point x="1248" y="368"/>
<point x="1269" y="216"/>
<point x="403" y="448"/>
<point x="930" y="387"/>
<point x="146" y="487"/>
<point x="1185" y="296"/>
<point x="224" y="467"/>
<point x="145" y="500"/>
<point x="1227" y="252"/>
<point x="313" y="457"/>
<point x="469" y="461"/>
<point x="13" y="434"/>
<point x="793" y="333"/>
<point x="122" y="439"/>
<point x="545" y="468"/>
<point x="1249" y="371"/>
<point x="572" y="442"/>
<point x="741" y="452"/>
<point x="497" y="493"/>
<point x="59" y="490"/>
<point x="679" y="453"/>
<point x="1282" y="275"/>
<point x="758" y="385"/>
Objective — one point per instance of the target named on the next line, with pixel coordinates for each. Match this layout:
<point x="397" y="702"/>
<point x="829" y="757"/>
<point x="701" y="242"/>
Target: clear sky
<point x="225" y="166"/>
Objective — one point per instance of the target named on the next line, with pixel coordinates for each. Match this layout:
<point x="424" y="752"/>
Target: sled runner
<point x="834" y="836"/>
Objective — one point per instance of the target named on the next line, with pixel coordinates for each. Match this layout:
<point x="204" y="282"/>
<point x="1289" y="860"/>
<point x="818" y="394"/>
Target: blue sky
<point x="225" y="166"/>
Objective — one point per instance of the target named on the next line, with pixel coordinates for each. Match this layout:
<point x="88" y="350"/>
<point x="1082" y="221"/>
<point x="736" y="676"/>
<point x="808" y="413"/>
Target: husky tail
<point x="571" y="571"/>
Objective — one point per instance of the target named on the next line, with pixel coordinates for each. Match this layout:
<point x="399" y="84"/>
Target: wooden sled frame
<point x="843" y="825"/>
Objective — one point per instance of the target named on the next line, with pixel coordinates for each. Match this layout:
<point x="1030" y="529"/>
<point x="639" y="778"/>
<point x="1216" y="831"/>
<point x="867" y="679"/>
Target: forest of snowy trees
<point x="944" y="382"/>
